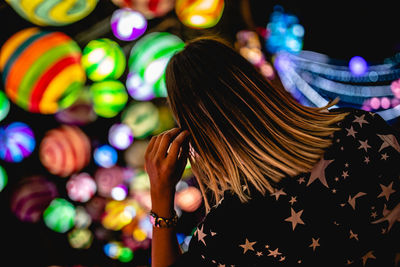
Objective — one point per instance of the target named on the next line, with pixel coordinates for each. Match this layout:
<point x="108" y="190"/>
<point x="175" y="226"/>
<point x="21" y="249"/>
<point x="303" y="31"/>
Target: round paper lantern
<point x="142" y="118"/>
<point x="188" y="199"/>
<point x="118" y="214"/>
<point x="120" y="136"/>
<point x="31" y="196"/>
<point x="59" y="216"/>
<point x="82" y="218"/>
<point x="17" y="142"/>
<point x="105" y="156"/>
<point x="149" y="8"/>
<point x="65" y="150"/>
<point x="41" y="70"/>
<point x="127" y="24"/>
<point x="147" y="62"/>
<point x="80" y="238"/>
<point x="103" y="59"/>
<point x="108" y="178"/>
<point x="79" y="113"/>
<point x="81" y="187"/>
<point x="3" y="178"/>
<point x="109" y="97"/>
<point x="4" y="106"/>
<point x="53" y="13"/>
<point x="199" y="14"/>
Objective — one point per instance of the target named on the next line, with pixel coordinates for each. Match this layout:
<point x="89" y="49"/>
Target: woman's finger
<point x="149" y="147"/>
<point x="176" y="146"/>
<point x="165" y="141"/>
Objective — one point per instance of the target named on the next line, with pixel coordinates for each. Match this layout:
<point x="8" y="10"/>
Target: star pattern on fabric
<point x="314" y="244"/>
<point x="367" y="256"/>
<point x="390" y="215"/>
<point x="366" y="160"/>
<point x="295" y="218"/>
<point x="388" y="140"/>
<point x="318" y="172"/>
<point x="351" y="132"/>
<point x="201" y="235"/>
<point x="386" y="191"/>
<point x="293" y="200"/>
<point x="274" y="253"/>
<point x="278" y="193"/>
<point x="384" y="156"/>
<point x="345" y="174"/>
<point x="247" y="246"/>
<point x="353" y="235"/>
<point x="301" y="180"/>
<point x="364" y="144"/>
<point x="360" y="120"/>
<point x="282" y="258"/>
<point x="352" y="200"/>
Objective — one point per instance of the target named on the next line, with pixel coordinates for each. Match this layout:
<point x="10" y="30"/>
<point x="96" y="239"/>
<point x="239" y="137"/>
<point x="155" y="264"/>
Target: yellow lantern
<point x="199" y="14"/>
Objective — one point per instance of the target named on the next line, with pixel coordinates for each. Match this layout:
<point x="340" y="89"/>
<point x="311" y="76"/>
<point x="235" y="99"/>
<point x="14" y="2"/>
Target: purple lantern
<point x="127" y="24"/>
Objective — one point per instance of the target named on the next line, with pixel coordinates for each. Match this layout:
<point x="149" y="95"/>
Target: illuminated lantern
<point x="127" y="24"/>
<point x="95" y="207"/>
<point x="53" y="13"/>
<point x="17" y="141"/>
<point x="81" y="187"/>
<point x="166" y="120"/>
<point x="80" y="238"/>
<point x="65" y="150"/>
<point x="59" y="216"/>
<point x="147" y="62"/>
<point x="119" y="192"/>
<point x="188" y="199"/>
<point x="118" y="214"/>
<point x="103" y="59"/>
<point x="31" y="197"/>
<point x="134" y="155"/>
<point x="107" y="178"/>
<point x="358" y="66"/>
<point x="395" y="88"/>
<point x="149" y="8"/>
<point x="82" y="218"/>
<point x="142" y="118"/>
<point x="120" y="136"/>
<point x="199" y="14"/>
<point x="105" y="156"/>
<point x="109" y="97"/>
<point x="41" y="70"/>
<point x="140" y="181"/>
<point x="4" y="106"/>
<point x="3" y="178"/>
<point x="79" y="113"/>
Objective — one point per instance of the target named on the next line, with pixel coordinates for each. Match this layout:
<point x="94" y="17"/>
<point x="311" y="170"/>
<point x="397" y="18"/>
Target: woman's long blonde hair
<point x="243" y="129"/>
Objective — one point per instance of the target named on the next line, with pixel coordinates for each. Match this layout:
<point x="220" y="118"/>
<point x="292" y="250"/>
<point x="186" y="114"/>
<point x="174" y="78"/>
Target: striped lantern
<point x="199" y="14"/>
<point x="103" y="59"/>
<point x="109" y="97"/>
<point x="51" y="12"/>
<point x="65" y="150"/>
<point x="31" y="196"/>
<point x="41" y="70"/>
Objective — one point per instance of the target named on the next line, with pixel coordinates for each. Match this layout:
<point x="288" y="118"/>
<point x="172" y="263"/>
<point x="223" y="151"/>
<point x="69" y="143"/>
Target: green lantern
<point x="59" y="216"/>
<point x="142" y="117"/>
<point x="3" y="178"/>
<point x="4" y="105"/>
<point x="109" y="97"/>
<point x="147" y="62"/>
<point x="103" y="59"/>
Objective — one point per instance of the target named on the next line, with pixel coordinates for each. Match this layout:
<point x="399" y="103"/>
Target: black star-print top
<point x="345" y="212"/>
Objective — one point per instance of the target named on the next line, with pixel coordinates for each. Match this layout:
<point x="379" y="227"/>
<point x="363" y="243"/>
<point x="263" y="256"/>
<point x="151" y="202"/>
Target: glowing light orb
<point x="82" y="218"/>
<point x="119" y="192"/>
<point x="109" y="97"/>
<point x="81" y="187"/>
<point x="142" y="118"/>
<point x="188" y="199"/>
<point x="3" y="178"/>
<point x="375" y="103"/>
<point x="284" y="32"/>
<point x="41" y="70"/>
<point x="118" y="214"/>
<point x="105" y="156"/>
<point x="65" y="150"/>
<point x="126" y="255"/>
<point x="358" y="66"/>
<point x="149" y="8"/>
<point x="147" y="62"/>
<point x="140" y="181"/>
<point x="59" y="216"/>
<point x="166" y="120"/>
<point x="120" y="136"/>
<point x="103" y="59"/>
<point x="31" y="196"/>
<point x="127" y="24"/>
<point x="53" y="13"/>
<point x="108" y="178"/>
<point x="4" y="106"/>
<point x="17" y="141"/>
<point x="80" y="238"/>
<point x="199" y="14"/>
<point x="395" y="87"/>
<point x="134" y="155"/>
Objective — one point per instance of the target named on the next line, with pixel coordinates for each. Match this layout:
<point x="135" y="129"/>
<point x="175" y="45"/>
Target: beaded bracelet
<point x="161" y="222"/>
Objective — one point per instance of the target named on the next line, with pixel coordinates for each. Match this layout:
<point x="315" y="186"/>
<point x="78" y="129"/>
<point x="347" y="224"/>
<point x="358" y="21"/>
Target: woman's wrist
<point x="163" y="204"/>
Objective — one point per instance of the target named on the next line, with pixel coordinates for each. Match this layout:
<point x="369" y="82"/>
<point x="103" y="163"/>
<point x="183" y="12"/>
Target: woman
<point x="291" y="185"/>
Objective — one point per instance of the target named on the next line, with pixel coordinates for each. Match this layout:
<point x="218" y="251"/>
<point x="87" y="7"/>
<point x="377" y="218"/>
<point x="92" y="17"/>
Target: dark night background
<point x="339" y="29"/>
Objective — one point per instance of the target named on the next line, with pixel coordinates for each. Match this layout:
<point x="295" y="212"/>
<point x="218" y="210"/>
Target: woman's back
<point x="346" y="211"/>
